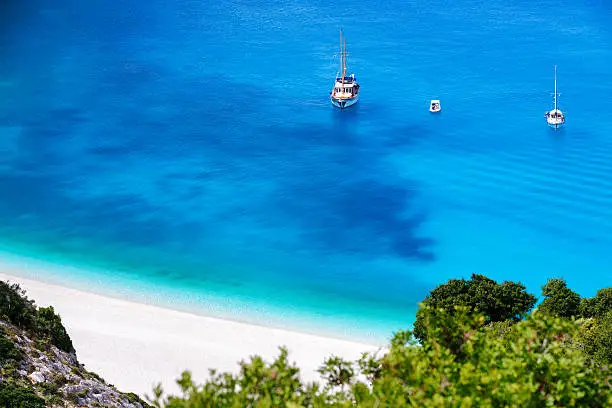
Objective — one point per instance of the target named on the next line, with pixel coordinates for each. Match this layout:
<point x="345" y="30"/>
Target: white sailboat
<point x="555" y="117"/>
<point x="434" y="106"/>
<point x="346" y="89"/>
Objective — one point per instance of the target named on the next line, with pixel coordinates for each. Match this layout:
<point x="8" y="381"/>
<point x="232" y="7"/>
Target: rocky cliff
<point x="40" y="374"/>
<point x="38" y="363"/>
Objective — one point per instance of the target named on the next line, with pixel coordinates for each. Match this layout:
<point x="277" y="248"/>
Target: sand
<point x="135" y="346"/>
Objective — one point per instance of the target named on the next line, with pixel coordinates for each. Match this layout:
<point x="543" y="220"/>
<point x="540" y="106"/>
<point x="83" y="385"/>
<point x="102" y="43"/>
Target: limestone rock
<point x="54" y="374"/>
<point x="36" y="377"/>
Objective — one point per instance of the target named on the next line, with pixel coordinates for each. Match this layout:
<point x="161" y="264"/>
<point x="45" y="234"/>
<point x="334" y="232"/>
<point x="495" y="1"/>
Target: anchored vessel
<point x="555" y="118"/>
<point x="346" y="89"/>
<point x="434" y="106"/>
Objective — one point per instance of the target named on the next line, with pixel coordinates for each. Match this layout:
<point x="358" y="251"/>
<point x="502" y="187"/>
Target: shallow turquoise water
<point x="186" y="154"/>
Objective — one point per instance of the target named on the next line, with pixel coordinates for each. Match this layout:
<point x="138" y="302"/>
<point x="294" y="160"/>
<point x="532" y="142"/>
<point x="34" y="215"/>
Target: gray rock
<point x="54" y="364"/>
<point x="36" y="377"/>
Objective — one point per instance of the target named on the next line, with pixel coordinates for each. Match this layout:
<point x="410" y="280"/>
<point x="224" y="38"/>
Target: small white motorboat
<point x="434" y="106"/>
<point x="555" y="118"/>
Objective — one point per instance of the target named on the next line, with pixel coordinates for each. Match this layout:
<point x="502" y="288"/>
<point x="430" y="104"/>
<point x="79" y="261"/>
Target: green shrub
<point x="59" y="379"/>
<point x="55" y="401"/>
<point x="497" y="302"/>
<point x="538" y="365"/>
<point x="72" y="397"/>
<point x="49" y="325"/>
<point x="95" y="376"/>
<point x="135" y="399"/>
<point x="597" y="306"/>
<point x="48" y="388"/>
<point x="8" y="351"/>
<point x="559" y="300"/>
<point x="52" y="387"/>
<point x="43" y="323"/>
<point x="15" y="306"/>
<point x="15" y="396"/>
<point x="596" y="338"/>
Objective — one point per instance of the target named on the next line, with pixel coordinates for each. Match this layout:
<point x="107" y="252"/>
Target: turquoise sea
<point x="186" y="154"/>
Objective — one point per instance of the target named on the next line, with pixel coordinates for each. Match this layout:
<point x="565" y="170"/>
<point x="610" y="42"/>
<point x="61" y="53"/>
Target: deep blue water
<point x="186" y="153"/>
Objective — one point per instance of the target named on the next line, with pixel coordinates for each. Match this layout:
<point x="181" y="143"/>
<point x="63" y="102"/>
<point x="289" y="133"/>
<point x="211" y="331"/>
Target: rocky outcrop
<point x="55" y="375"/>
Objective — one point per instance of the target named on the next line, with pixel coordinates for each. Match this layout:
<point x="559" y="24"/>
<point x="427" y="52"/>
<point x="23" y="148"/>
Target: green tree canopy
<point x="535" y="363"/>
<point x="597" y="306"/>
<point x="596" y="338"/>
<point x="497" y="302"/>
<point x="559" y="300"/>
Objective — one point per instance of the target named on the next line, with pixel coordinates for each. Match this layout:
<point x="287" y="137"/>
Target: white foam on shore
<point x="135" y="346"/>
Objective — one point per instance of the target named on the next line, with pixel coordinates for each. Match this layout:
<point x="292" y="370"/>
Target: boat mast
<point x="341" y="58"/>
<point x="344" y="67"/>
<point x="555" y="87"/>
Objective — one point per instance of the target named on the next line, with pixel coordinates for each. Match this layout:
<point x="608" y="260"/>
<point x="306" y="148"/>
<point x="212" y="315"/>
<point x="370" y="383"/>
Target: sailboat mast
<point x="340" y="50"/>
<point x="555" y="87"/>
<point x="344" y="60"/>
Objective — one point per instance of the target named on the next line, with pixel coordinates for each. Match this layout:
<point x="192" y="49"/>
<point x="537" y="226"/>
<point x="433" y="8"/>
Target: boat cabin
<point x="349" y="88"/>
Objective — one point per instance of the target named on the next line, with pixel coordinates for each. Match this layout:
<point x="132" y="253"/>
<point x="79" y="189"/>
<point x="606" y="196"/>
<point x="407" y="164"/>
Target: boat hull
<point x="556" y="125"/>
<point x="344" y="103"/>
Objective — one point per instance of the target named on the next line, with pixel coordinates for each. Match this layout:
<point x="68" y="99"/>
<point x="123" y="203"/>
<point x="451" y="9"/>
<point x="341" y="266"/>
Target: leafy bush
<point x="49" y="325"/>
<point x="88" y="374"/>
<point x="8" y="351"/>
<point x="596" y="338"/>
<point x="15" y="396"/>
<point x="15" y="306"/>
<point x="55" y="401"/>
<point x="595" y="313"/>
<point x="559" y="300"/>
<point x="497" y="302"/>
<point x="597" y="306"/>
<point x="48" y="388"/>
<point x="258" y="384"/>
<point x="135" y="399"/>
<point x="537" y="366"/>
<point x="42" y="323"/>
<point x="337" y="371"/>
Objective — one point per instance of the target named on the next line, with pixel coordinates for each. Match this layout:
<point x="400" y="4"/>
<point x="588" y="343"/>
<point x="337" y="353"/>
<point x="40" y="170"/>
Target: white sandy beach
<point x="135" y="346"/>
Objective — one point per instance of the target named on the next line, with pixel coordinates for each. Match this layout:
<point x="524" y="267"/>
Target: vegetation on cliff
<point x="38" y="365"/>
<point x="42" y="323"/>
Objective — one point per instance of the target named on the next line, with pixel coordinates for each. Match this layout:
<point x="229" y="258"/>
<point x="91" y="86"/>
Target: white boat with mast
<point x="346" y="89"/>
<point x="555" y="118"/>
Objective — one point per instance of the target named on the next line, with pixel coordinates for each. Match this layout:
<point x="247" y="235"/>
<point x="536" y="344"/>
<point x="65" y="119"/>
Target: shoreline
<point x="353" y="322"/>
<point x="134" y="345"/>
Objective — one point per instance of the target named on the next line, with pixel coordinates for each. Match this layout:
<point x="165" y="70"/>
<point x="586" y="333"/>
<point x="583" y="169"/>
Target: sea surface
<point x="186" y="153"/>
